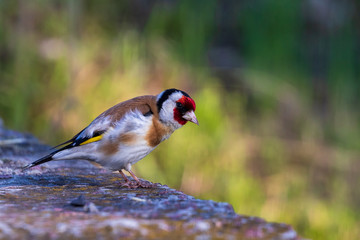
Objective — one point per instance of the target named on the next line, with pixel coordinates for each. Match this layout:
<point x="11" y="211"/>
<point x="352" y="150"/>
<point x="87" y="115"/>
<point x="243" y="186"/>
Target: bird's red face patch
<point x="183" y="105"/>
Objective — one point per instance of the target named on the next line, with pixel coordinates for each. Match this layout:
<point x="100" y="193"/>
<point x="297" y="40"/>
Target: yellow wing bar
<point x="90" y="140"/>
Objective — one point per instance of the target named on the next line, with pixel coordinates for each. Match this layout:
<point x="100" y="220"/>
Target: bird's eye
<point x="179" y="105"/>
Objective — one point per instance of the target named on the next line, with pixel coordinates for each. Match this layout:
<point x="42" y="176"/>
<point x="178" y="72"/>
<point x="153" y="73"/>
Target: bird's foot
<point x="137" y="184"/>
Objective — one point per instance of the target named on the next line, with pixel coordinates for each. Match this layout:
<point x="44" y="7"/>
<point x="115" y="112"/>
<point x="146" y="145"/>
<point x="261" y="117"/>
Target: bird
<point x="127" y="132"/>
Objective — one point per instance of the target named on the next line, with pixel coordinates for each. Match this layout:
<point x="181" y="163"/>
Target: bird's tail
<point x="39" y="161"/>
<point x="48" y="157"/>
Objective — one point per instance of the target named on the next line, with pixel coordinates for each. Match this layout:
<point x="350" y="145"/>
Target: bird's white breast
<point x="133" y="125"/>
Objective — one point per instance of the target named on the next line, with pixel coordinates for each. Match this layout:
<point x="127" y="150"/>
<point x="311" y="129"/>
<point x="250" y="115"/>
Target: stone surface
<point x="73" y="199"/>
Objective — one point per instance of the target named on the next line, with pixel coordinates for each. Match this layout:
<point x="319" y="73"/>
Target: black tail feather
<point x="39" y="161"/>
<point x="69" y="141"/>
<point x="47" y="158"/>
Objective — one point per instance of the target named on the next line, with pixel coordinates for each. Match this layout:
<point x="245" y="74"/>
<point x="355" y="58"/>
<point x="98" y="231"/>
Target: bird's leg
<point x="131" y="184"/>
<point x="133" y="175"/>
<point x="127" y="183"/>
<point x="134" y="184"/>
<point x="124" y="176"/>
<point x="141" y="183"/>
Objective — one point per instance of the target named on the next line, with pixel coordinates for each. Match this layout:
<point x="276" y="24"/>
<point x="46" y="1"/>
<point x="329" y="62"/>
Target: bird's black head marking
<point x="165" y="95"/>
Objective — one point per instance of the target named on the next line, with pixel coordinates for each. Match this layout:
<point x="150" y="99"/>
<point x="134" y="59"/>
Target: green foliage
<point x="274" y="140"/>
<point x="271" y="33"/>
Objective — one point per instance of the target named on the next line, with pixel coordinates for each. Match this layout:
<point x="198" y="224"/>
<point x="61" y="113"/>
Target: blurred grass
<point x="278" y="135"/>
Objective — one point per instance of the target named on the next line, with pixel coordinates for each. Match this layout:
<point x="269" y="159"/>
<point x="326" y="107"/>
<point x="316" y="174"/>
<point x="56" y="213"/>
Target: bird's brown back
<point x="144" y="104"/>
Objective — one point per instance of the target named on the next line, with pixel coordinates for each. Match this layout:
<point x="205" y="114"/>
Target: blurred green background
<point x="276" y="85"/>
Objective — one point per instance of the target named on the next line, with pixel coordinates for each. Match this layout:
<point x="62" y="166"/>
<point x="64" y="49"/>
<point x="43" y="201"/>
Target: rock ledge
<point x="67" y="200"/>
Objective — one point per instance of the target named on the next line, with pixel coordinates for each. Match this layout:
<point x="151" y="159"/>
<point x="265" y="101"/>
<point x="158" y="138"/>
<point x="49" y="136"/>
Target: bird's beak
<point x="190" y="116"/>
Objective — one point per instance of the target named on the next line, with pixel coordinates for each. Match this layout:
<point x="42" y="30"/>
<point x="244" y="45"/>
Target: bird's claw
<point x="135" y="184"/>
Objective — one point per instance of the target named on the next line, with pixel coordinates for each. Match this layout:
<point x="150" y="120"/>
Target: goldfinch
<point x="127" y="132"/>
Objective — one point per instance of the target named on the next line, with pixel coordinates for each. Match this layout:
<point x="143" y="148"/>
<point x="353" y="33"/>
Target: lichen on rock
<point x="69" y="199"/>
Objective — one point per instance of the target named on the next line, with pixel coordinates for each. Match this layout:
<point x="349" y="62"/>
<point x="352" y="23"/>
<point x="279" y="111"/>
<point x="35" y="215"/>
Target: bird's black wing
<point x="71" y="140"/>
<point x="77" y="140"/>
